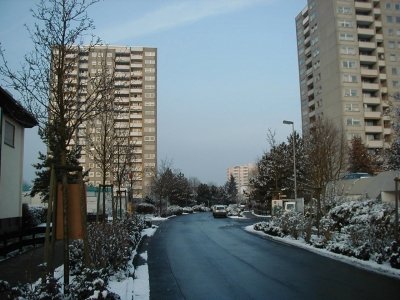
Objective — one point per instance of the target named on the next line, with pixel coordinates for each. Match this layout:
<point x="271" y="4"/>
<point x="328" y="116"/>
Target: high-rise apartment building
<point x="349" y="66"/>
<point x="242" y="175"/>
<point x="134" y="97"/>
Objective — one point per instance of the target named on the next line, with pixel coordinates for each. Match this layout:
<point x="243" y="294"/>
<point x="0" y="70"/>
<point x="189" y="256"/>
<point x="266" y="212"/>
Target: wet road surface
<point x="199" y="257"/>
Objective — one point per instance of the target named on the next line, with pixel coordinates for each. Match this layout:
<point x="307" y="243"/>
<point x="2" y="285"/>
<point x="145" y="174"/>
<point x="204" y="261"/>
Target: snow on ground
<point x="384" y="269"/>
<point x="141" y="285"/>
<point x="138" y="287"/>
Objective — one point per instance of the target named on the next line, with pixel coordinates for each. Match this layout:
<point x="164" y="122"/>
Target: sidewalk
<point x="25" y="267"/>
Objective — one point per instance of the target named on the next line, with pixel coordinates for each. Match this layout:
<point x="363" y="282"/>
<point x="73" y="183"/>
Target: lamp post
<point x="294" y="157"/>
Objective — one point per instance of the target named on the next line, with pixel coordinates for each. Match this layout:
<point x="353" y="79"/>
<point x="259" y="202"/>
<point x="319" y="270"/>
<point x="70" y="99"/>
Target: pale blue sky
<point x="227" y="71"/>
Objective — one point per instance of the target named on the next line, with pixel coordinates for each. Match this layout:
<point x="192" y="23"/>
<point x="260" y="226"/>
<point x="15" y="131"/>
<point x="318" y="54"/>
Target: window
<point x="149" y="78"/>
<point x="345" y="23"/>
<point x="149" y="112"/>
<point x="347" y="50"/>
<point x="353" y="122"/>
<point x="349" y="78"/>
<point x="392" y="57"/>
<point x="394" y="71"/>
<point x="9" y="134"/>
<point x="149" y="87"/>
<point x="150" y="54"/>
<point x="348" y="64"/>
<point x="149" y="70"/>
<point x="351" y="107"/>
<point x="149" y="95"/>
<point x="344" y="10"/>
<point x="149" y="103"/>
<point x="395" y="84"/>
<point x="389" y="19"/>
<point x="149" y="121"/>
<point x="388" y="6"/>
<point x="150" y="61"/>
<point x="345" y="36"/>
<point x="149" y="129"/>
<point x="350" y="93"/>
<point x="150" y="147"/>
<point x="149" y="138"/>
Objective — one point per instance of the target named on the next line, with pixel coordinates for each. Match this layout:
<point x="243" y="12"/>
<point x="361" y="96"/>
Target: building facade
<point x="134" y="106"/>
<point x="242" y="175"/>
<point x="13" y="121"/>
<point x="349" y="66"/>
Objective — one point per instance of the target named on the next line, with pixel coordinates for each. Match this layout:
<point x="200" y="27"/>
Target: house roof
<point x="15" y="110"/>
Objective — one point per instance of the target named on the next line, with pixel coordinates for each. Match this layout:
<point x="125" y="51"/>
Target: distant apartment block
<point x="242" y="175"/>
<point x="349" y="66"/>
<point x="135" y="97"/>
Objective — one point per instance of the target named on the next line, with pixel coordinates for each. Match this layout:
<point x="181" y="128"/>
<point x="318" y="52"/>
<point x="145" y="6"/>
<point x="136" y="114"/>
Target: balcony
<point x="136" y="90"/>
<point x="378" y="23"/>
<point x="377" y="11"/>
<point x="370" y="86"/>
<point x="382" y="76"/>
<point x="364" y="19"/>
<point x="137" y="73"/>
<point x="372" y="115"/>
<point x="311" y="103"/>
<point x="305" y="21"/>
<point x="366" y="45"/>
<point x="136" y="82"/>
<point x="371" y="100"/>
<point x="381" y="63"/>
<point x="369" y="72"/>
<point x="368" y="59"/>
<point x="137" y="99"/>
<point x="379" y="37"/>
<point x="136" y="107"/>
<point x="136" y="57"/>
<point x="362" y="6"/>
<point x="365" y="32"/>
<point x="310" y="92"/>
<point x="380" y="50"/>
<point x="373" y="129"/>
<point x="374" y="144"/>
<point x="136" y="65"/>
<point x="122" y="67"/>
<point x="136" y="116"/>
<point x="387" y="131"/>
<point x="135" y="133"/>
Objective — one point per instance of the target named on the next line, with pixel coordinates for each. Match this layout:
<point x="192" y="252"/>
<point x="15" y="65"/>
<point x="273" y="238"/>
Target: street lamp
<point x="294" y="157"/>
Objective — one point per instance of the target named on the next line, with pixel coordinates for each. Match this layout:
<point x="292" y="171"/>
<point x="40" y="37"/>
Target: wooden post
<point x="48" y="254"/>
<point x="86" y="254"/>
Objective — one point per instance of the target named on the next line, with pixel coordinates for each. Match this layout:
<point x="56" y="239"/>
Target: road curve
<point x="199" y="257"/>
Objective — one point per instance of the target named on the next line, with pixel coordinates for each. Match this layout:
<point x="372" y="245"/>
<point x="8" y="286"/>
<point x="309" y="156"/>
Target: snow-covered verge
<point x="111" y="273"/>
<point x="360" y="230"/>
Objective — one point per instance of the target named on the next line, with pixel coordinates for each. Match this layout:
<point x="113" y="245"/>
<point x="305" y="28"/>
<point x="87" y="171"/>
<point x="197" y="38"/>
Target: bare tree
<point x="48" y="84"/>
<point x="325" y="158"/>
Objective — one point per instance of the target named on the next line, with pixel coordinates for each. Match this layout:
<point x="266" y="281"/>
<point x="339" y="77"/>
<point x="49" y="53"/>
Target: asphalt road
<point x="199" y="257"/>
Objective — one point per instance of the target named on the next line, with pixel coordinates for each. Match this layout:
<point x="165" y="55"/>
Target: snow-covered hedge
<point x="187" y="210"/>
<point x="361" y="229"/>
<point x="173" y="210"/>
<point x="201" y="208"/>
<point x="33" y="215"/>
<point x="111" y="248"/>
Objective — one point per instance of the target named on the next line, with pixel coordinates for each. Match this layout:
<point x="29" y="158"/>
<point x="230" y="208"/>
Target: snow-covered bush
<point x="145" y="208"/>
<point x="269" y="228"/>
<point x="33" y="215"/>
<point x="50" y="289"/>
<point x="200" y="208"/>
<point x="88" y="284"/>
<point x="393" y="251"/>
<point x="111" y="244"/>
<point x="173" y="210"/>
<point x="292" y="223"/>
<point x="234" y="210"/>
<point x="188" y="210"/>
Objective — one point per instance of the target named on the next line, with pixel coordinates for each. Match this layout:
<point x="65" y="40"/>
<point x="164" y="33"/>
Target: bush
<point x="173" y="210"/>
<point x="188" y="210"/>
<point x="145" y="208"/>
<point x="201" y="208"/>
<point x="33" y="215"/>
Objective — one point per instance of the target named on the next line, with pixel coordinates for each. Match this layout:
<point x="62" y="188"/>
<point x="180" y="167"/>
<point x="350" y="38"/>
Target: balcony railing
<point x="372" y="114"/>
<point x="373" y="129"/>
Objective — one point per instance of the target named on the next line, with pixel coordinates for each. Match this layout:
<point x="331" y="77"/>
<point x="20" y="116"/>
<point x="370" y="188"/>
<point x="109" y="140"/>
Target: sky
<point x="227" y="73"/>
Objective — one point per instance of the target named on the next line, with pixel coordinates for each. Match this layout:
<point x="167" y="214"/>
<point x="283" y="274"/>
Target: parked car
<point x="219" y="211"/>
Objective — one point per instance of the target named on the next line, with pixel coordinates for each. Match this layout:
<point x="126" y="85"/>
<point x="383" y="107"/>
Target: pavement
<point x="26" y="267"/>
